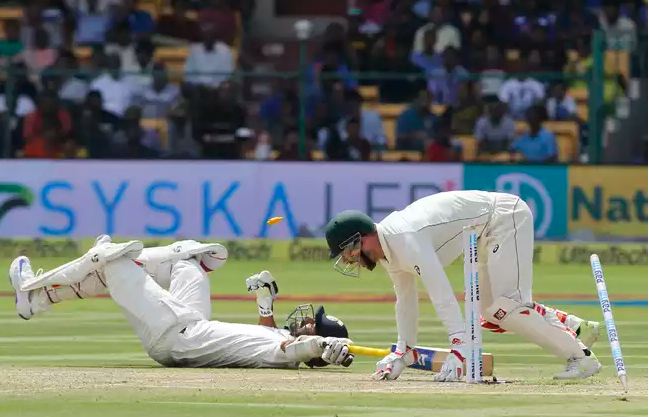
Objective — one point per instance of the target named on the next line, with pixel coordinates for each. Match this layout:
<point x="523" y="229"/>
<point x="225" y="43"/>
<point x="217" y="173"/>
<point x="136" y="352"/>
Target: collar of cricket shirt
<point x="384" y="244"/>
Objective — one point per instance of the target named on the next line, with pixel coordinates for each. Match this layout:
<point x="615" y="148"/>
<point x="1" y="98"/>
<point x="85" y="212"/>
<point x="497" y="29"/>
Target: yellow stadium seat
<point x="580" y="94"/>
<point x="171" y="53"/>
<point x="469" y="147"/>
<point x="389" y="128"/>
<point x="566" y="148"/>
<point x="160" y="126"/>
<point x="390" y="110"/>
<point x="617" y="62"/>
<point x="582" y="111"/>
<point x="7" y="13"/>
<point x="395" y="156"/>
<point x="369" y="92"/>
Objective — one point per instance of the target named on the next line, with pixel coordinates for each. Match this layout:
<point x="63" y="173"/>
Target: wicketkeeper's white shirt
<point x="421" y="240"/>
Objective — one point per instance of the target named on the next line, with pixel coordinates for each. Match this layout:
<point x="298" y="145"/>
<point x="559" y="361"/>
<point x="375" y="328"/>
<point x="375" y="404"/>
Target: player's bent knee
<point x="500" y="309"/>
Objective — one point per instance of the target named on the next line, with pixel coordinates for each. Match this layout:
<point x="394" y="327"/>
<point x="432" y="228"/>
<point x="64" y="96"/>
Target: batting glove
<point x="392" y="365"/>
<point x="453" y="367"/>
<point x="265" y="288"/>
<point x="336" y="351"/>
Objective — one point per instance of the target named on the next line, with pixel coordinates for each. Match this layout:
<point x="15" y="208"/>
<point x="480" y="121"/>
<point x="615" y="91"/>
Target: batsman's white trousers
<point x="174" y="325"/>
<point x="506" y="249"/>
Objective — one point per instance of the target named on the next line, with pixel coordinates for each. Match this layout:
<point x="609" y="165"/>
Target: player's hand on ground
<point x="336" y="351"/>
<point x="262" y="280"/>
<point x="392" y="365"/>
<point x="453" y="367"/>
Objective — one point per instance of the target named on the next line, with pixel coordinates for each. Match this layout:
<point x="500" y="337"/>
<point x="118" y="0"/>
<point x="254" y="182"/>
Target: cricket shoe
<point x="19" y="271"/>
<point x="101" y="239"/>
<point x="580" y="368"/>
<point x="589" y="332"/>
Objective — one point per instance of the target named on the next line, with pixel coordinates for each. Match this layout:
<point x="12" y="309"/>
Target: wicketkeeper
<point x="165" y="294"/>
<point x="426" y="236"/>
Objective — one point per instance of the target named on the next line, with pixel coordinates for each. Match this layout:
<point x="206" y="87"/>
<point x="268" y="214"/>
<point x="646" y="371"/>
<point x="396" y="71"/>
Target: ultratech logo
<point x="299" y="251"/>
<point x="613" y="255"/>
<point x="19" y="196"/>
<point x="248" y="251"/>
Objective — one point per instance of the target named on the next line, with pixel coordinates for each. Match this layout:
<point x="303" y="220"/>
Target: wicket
<point x="472" y="307"/>
<point x="607" y="310"/>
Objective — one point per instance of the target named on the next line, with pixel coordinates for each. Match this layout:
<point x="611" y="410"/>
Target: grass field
<point x="82" y="359"/>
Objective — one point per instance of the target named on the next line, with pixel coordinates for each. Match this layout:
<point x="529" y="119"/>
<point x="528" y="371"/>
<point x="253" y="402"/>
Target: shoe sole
<point x="16" y="286"/>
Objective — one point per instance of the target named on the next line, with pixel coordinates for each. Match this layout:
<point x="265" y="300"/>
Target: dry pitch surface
<point x="82" y="359"/>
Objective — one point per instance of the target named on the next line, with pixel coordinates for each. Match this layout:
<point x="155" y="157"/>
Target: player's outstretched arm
<point x="265" y="288"/>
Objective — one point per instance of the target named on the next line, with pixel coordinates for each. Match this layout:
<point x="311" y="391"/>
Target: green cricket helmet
<point x="343" y="233"/>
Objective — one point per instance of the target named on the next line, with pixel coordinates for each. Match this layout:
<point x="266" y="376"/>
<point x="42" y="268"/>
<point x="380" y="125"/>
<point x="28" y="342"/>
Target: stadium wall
<point x="232" y="199"/>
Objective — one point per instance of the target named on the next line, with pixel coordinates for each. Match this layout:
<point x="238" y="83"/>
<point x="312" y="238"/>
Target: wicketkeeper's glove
<point x="453" y="367"/>
<point x="392" y="365"/>
<point x="265" y="288"/>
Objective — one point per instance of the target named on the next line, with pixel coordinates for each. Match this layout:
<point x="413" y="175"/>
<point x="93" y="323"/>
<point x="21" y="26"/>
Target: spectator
<point x="142" y="78"/>
<point x="444" y="83"/>
<point x="217" y="14"/>
<point x="139" y="22"/>
<point x="559" y="105"/>
<point x="327" y="71"/>
<point x="427" y="59"/>
<point x="97" y="127"/>
<point x="41" y="55"/>
<point x="92" y="24"/>
<point x="620" y="31"/>
<point x="467" y="110"/>
<point x="217" y="122"/>
<point x="210" y="62"/>
<point x="47" y="131"/>
<point x="391" y="55"/>
<point x="121" y="44"/>
<point x="495" y="130"/>
<point x="181" y="140"/>
<point x="335" y="41"/>
<point x="263" y="146"/>
<point x="13" y="112"/>
<point x="375" y="14"/>
<point x="441" y="148"/>
<point x="521" y="93"/>
<point x="117" y="91"/>
<point x="157" y="99"/>
<point x="538" y="144"/>
<point x="371" y="125"/>
<point x="492" y="74"/>
<point x="134" y="141"/>
<point x="447" y="34"/>
<point x="416" y="125"/>
<point x="359" y="148"/>
<point x="177" y="25"/>
<point x="11" y="45"/>
<point x="35" y="17"/>
<point x="290" y="150"/>
<point x="74" y="87"/>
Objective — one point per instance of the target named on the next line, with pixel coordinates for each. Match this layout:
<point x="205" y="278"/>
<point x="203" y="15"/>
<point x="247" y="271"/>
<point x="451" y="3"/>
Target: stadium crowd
<point x="123" y="101"/>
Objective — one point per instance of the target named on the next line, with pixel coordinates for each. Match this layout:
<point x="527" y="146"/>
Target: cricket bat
<point x="430" y="359"/>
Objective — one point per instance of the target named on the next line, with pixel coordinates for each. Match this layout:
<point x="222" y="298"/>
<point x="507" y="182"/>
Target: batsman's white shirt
<point x="426" y="236"/>
<point x="174" y="325"/>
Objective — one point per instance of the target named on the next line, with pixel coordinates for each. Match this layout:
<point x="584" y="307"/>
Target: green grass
<point x="82" y="358"/>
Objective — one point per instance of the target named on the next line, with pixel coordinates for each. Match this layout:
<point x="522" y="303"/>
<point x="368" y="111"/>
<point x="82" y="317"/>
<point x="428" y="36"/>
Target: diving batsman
<point x="426" y="236"/>
<point x="164" y="293"/>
